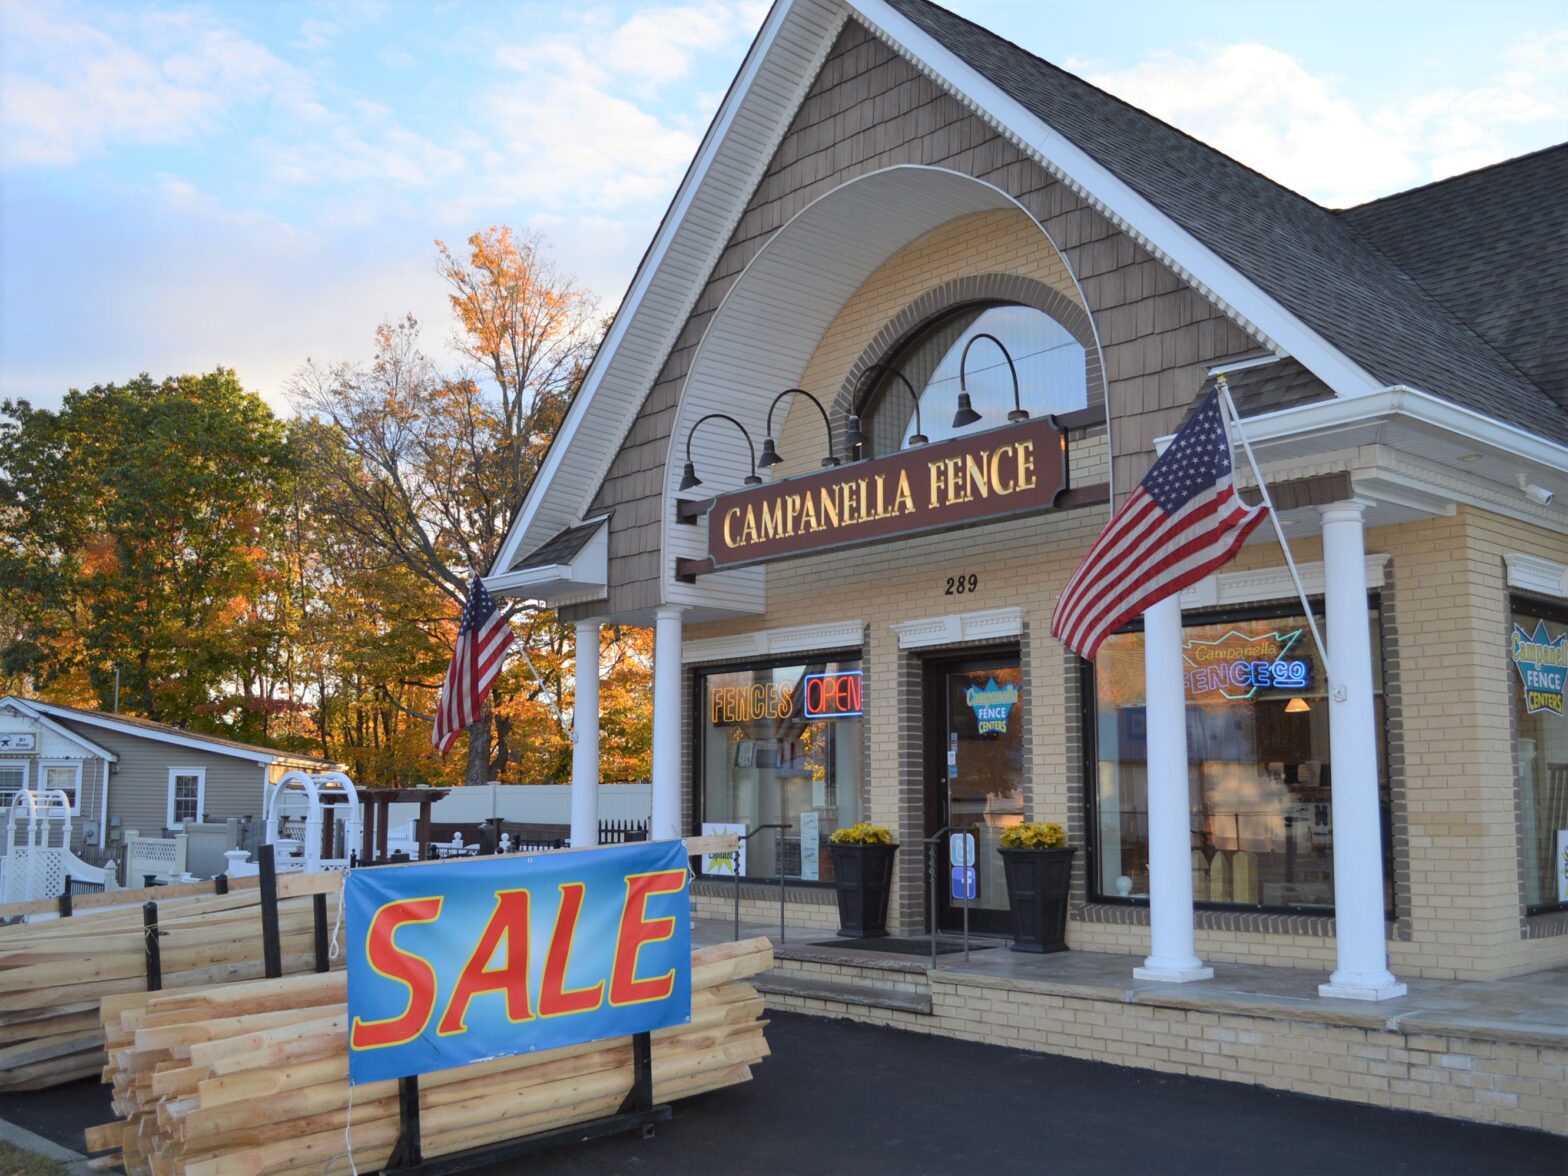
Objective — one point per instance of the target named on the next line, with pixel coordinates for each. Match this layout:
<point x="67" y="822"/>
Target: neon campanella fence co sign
<point x="1237" y="665"/>
<point x="1013" y="470"/>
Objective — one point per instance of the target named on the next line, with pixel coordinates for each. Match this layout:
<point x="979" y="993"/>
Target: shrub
<point x="1034" y="835"/>
<point x="862" y="833"/>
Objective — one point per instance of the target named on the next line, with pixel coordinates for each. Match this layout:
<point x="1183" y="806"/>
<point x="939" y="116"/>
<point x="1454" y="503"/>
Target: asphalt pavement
<point x="840" y="1097"/>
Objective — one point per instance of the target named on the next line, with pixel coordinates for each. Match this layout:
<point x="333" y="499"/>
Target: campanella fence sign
<point x="1014" y="470"/>
<point x="449" y="964"/>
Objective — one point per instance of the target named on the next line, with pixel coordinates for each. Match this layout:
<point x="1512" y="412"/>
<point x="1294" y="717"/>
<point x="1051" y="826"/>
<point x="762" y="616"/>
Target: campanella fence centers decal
<point x="991" y="704"/>
<point x="449" y="964"/>
<point x="1542" y="662"/>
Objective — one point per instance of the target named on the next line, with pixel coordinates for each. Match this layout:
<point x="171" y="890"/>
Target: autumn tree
<point x="135" y="524"/>
<point x="429" y="469"/>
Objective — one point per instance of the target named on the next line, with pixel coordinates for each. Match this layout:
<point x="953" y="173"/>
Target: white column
<point x="1172" y="956"/>
<point x="1363" y="972"/>
<point x="585" y="730"/>
<point x="666" y="821"/>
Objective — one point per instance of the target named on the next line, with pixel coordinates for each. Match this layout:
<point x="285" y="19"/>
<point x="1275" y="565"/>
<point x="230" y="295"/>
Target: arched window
<point x="1051" y="375"/>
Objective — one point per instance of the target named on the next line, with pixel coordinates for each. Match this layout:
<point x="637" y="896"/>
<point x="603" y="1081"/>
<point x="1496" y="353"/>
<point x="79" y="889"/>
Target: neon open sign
<point x="837" y="695"/>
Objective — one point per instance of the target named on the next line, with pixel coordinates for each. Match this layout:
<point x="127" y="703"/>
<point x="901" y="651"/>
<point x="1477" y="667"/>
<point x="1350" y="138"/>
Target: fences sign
<point x="1542" y="662"/>
<point x="450" y="964"/>
<point x="964" y="883"/>
<point x="961" y="849"/>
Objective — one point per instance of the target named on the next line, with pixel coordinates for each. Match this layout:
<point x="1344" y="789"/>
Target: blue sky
<point x="258" y="183"/>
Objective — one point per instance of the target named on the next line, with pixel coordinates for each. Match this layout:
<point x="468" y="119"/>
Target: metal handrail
<point x="735" y="865"/>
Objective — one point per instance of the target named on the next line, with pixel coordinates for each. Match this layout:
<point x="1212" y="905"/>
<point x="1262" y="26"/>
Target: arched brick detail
<point x="993" y="287"/>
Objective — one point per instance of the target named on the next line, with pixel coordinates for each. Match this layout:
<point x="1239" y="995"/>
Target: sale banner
<point x="460" y="962"/>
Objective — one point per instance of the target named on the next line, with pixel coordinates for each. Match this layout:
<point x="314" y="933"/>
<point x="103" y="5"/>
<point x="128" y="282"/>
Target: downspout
<point x="103" y="811"/>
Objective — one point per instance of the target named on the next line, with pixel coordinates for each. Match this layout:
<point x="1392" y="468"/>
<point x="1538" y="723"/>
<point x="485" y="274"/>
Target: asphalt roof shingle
<point x="1492" y="247"/>
<point x="561" y="548"/>
<point x="1311" y="260"/>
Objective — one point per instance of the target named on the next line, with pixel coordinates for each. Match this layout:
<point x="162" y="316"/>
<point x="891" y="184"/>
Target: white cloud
<point x="1310" y="132"/>
<point x="72" y="85"/>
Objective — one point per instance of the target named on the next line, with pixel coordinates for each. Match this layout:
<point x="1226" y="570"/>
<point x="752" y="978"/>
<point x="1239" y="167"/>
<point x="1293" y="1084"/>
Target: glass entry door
<point x="975" y="774"/>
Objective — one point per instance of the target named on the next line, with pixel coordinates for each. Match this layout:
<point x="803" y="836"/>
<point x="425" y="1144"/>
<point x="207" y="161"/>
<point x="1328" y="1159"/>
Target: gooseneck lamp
<point x="770" y="455"/>
<point x="966" y="414"/>
<point x="854" y="438"/>
<point x="689" y="478"/>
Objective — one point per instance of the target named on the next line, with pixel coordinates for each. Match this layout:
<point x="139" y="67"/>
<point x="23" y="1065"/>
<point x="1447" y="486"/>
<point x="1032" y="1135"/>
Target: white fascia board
<point x="1534" y="573"/>
<point x="1399" y="400"/>
<point x="1199" y="265"/>
<point x="641" y="281"/>
<point x="33" y="711"/>
<point x="195" y="743"/>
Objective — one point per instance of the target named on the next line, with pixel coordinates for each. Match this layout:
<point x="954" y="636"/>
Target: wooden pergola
<point x="378" y="804"/>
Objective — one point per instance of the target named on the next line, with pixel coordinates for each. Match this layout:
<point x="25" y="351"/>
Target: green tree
<point x="136" y="526"/>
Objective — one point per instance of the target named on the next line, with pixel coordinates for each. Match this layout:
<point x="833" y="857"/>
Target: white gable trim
<point x="33" y="711"/>
<point x="670" y="321"/>
<point x="1202" y="268"/>
<point x="782" y="64"/>
<point x="194" y="742"/>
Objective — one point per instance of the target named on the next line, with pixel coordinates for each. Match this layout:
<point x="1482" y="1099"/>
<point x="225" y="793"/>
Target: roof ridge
<point x="1511" y="161"/>
<point x="171" y="728"/>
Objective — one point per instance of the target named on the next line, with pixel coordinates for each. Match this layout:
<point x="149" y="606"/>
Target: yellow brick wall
<point x="1463" y="902"/>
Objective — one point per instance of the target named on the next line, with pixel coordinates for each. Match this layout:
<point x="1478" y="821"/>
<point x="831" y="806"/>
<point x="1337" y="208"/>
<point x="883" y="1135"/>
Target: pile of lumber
<point x="54" y="974"/>
<point x="252" y="1079"/>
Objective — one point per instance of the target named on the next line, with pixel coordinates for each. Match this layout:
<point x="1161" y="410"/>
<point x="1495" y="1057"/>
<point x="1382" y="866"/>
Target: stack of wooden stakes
<point x="53" y="974"/>
<point x="252" y="1079"/>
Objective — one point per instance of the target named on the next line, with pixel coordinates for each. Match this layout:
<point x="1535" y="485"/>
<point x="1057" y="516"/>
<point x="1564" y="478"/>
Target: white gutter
<point x="103" y="811"/>
<point x="1401" y="400"/>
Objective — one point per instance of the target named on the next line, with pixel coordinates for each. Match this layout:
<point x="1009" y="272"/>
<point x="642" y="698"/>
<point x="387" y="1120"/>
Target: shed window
<point x="13" y="778"/>
<point x="187" y="795"/>
<point x="64" y="777"/>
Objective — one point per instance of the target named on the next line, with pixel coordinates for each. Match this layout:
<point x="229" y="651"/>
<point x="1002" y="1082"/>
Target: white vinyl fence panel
<point x="529" y="804"/>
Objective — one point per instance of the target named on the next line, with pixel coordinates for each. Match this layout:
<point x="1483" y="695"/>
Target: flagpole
<point x="1336" y="688"/>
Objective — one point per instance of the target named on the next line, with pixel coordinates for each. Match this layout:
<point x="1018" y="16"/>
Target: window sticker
<point x="1542" y="662"/>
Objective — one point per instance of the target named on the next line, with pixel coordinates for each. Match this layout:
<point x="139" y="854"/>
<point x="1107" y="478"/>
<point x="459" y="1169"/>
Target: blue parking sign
<point x="963" y="882"/>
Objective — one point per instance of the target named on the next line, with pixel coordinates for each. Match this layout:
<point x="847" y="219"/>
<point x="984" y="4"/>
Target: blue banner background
<point x="468" y="893"/>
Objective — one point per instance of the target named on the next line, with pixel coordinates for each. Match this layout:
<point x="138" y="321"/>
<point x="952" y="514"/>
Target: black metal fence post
<point x="154" y="951"/>
<point x="409" y="1152"/>
<point x="271" y="945"/>
<point x="220" y="884"/>
<point x="323" y="959"/>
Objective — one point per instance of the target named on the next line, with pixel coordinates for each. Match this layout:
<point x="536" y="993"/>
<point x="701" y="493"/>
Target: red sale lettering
<point x="508" y="922"/>
<point x="412" y="971"/>
<point x="554" y="997"/>
<point x="636" y="931"/>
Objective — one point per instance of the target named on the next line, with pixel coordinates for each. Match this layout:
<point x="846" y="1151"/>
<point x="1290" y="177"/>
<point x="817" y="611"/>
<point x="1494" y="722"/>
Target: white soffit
<point x="990" y="624"/>
<point x="1531" y="573"/>
<point x="774" y="642"/>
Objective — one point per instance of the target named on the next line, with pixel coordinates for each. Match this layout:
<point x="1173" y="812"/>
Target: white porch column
<point x="1363" y="972"/>
<point x="585" y="730"/>
<point x="1172" y="955"/>
<point x="666" y="821"/>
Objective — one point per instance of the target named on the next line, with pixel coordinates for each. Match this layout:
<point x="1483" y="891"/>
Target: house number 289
<point x="962" y="585"/>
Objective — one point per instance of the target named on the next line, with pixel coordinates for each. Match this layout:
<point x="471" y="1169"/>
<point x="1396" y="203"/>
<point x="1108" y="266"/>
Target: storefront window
<point x="1052" y="376"/>
<point x="782" y="745"/>
<point x="1259" y="774"/>
<point x="1538" y="660"/>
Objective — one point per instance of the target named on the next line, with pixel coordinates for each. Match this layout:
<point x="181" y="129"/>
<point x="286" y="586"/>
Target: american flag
<point x="1181" y="522"/>
<point x="483" y="640"/>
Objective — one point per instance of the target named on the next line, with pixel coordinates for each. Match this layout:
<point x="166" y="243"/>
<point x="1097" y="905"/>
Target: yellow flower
<point x="1034" y="835"/>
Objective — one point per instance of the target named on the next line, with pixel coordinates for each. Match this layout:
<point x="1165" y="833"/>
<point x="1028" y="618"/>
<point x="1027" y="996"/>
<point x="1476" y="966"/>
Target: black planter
<point x="863" y="876"/>
<point x="1037" y="882"/>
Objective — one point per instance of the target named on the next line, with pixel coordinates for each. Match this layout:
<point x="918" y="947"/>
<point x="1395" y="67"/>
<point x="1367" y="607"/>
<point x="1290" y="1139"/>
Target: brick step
<point x="788" y="984"/>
